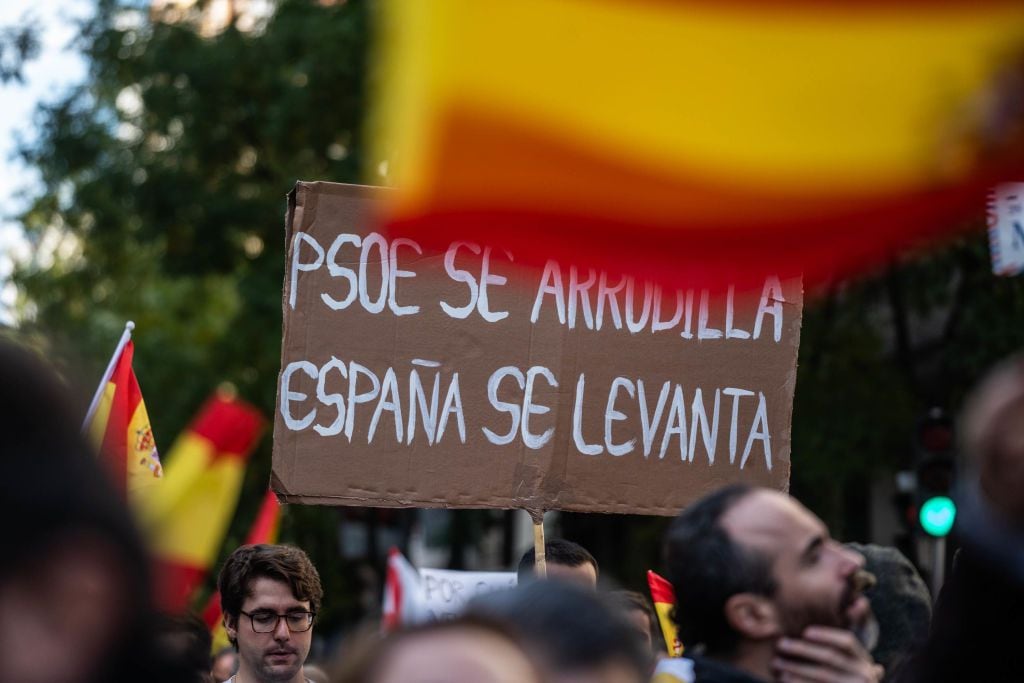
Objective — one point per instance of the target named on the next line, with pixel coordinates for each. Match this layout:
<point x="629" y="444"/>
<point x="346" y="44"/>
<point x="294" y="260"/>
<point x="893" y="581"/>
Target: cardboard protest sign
<point x="414" y="596"/>
<point x="459" y="379"/>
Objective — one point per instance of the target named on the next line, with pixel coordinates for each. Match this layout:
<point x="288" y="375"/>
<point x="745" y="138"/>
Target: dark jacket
<point x="712" y="671"/>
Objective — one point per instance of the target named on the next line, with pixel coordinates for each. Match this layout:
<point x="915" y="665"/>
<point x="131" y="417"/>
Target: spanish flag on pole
<point x="680" y="137"/>
<point x="118" y="426"/>
<point x="185" y="520"/>
<point x="263" y="530"/>
<point x="664" y="599"/>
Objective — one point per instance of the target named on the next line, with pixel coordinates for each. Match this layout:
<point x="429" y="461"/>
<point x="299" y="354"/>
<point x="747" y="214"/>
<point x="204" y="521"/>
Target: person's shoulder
<point x="708" y="670"/>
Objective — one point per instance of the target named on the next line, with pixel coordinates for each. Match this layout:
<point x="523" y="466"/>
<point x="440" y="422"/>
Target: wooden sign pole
<point x="540" y="566"/>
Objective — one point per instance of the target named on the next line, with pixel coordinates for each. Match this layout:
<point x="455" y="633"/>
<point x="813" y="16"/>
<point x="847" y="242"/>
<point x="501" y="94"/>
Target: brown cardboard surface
<point x="574" y="452"/>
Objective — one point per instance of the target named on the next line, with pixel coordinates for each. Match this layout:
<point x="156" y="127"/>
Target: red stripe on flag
<point x="174" y="584"/>
<point x="661" y="589"/>
<point x="127" y="397"/>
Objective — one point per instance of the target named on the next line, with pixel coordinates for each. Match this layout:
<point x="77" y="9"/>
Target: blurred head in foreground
<point x="270" y="595"/>
<point x="993" y="435"/>
<point x="74" y="582"/>
<point x="565" y="561"/>
<point x="467" y="649"/>
<point x="574" y="632"/>
<point x="639" y="613"/>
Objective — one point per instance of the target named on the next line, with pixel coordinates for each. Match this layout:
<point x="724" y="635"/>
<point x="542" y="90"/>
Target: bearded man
<point x="763" y="593"/>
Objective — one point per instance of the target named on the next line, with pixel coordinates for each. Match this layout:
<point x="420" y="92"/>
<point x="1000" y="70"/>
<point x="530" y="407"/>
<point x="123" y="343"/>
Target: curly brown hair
<point x="284" y="563"/>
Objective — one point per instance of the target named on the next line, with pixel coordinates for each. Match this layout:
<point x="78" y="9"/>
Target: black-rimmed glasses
<point x="265" y="621"/>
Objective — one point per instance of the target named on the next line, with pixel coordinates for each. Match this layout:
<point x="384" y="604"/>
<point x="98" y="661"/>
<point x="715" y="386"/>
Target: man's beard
<point x="267" y="672"/>
<point x="796" y="619"/>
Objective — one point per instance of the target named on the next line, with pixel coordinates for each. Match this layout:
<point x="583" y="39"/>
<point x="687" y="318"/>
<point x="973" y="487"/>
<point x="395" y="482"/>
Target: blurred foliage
<point x="19" y="43"/>
<point x="162" y="201"/>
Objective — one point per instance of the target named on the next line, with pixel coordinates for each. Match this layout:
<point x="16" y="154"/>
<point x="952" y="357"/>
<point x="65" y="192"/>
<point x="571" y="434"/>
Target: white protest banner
<point x="414" y="596"/>
<point x="1006" y="229"/>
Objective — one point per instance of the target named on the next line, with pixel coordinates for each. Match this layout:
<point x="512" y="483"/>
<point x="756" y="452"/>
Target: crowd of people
<point x="763" y="592"/>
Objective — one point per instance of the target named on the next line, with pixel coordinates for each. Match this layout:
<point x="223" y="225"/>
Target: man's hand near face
<point x="824" y="655"/>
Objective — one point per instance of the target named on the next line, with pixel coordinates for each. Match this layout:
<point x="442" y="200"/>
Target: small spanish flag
<point x="119" y="429"/>
<point x="664" y="599"/>
<point x="185" y="520"/>
<point x="263" y="530"/>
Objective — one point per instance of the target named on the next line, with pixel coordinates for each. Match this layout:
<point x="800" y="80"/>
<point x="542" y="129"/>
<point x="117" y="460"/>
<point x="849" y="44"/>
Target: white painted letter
<point x="388" y="388"/>
<point x="336" y="400"/>
<point x="609" y="294"/>
<point x="354" y="370"/>
<point x="736" y="395"/>
<point x="418" y="397"/>
<point x="635" y="325"/>
<point x="613" y="415"/>
<point x="374" y="239"/>
<point x="703" y="331"/>
<point x="657" y="324"/>
<point x="453" y="404"/>
<point x="298" y="265"/>
<point x="700" y="422"/>
<point x="577" y="423"/>
<point x="581" y="291"/>
<point x="512" y="409"/>
<point x="552" y="272"/>
<point x="532" y="440"/>
<point x="759" y="432"/>
<point x="772" y="293"/>
<point x="486" y="278"/>
<point x="395" y="273"/>
<point x="287" y="395"/>
<point x="675" y="424"/>
<point x="460" y="275"/>
<point x="730" y="304"/>
<point x="649" y="427"/>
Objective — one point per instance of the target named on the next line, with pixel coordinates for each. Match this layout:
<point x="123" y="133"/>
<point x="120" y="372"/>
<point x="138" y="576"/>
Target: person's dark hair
<point x="631" y="601"/>
<point x="185" y="644"/>
<point x="569" y="628"/>
<point x="283" y="563"/>
<point x="706" y="568"/>
<point x="901" y="603"/>
<point x="363" y="660"/>
<point x="556" y="551"/>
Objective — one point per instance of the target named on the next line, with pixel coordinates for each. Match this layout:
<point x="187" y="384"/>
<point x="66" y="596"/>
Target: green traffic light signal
<point x="937" y="515"/>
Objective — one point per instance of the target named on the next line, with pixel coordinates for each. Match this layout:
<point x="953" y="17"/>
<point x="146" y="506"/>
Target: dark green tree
<point x="163" y="192"/>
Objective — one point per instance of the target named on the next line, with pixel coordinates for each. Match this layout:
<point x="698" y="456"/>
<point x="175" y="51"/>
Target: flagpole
<point x="127" y="335"/>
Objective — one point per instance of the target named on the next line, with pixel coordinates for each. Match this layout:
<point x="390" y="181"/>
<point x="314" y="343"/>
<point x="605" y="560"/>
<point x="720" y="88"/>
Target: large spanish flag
<point x="186" y="519"/>
<point x="263" y="530"/>
<point x="690" y="137"/>
<point x="119" y="429"/>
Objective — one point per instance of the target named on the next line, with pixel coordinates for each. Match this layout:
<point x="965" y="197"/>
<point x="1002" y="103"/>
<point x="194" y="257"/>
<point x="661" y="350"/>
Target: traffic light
<point x="935" y="467"/>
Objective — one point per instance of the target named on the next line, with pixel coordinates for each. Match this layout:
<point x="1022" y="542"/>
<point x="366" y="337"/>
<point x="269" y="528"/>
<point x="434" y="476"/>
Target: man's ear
<point x="753" y="616"/>
<point x="231" y="626"/>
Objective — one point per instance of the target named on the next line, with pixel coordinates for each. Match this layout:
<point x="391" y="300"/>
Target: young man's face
<point x="814" y="575"/>
<point x="582" y="574"/>
<point x="275" y="657"/>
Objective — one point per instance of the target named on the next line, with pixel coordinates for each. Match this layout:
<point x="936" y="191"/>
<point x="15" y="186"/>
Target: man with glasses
<point x="269" y="595"/>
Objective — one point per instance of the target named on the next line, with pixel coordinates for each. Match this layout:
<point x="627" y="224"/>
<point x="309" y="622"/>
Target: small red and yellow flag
<point x="185" y="520"/>
<point x="119" y="429"/>
<point x="263" y="530"/>
<point x="664" y="599"/>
